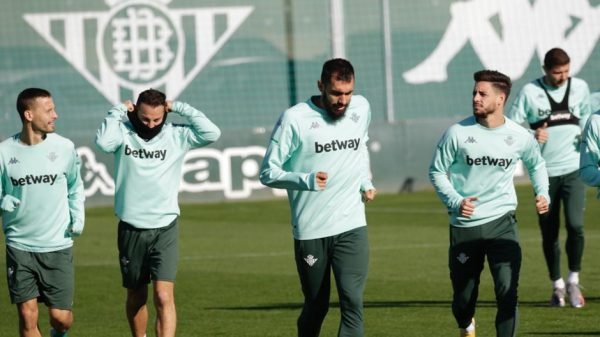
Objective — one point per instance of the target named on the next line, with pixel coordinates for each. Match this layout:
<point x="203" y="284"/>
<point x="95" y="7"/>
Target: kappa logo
<point x="470" y="140"/>
<point x="462" y="258"/>
<point x="13" y="160"/>
<point x="139" y="43"/>
<point x="232" y="171"/>
<point x="310" y="260"/>
<point x="94" y="174"/>
<point x="502" y="34"/>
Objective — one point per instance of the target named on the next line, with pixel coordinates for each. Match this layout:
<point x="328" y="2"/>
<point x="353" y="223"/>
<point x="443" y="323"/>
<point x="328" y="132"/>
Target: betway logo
<point x="489" y="161"/>
<point x="337" y="145"/>
<point x="30" y="179"/>
<point x="560" y="116"/>
<point x="143" y="154"/>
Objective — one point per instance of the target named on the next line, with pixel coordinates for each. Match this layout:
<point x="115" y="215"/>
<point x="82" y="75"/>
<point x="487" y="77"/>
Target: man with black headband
<point x="149" y="155"/>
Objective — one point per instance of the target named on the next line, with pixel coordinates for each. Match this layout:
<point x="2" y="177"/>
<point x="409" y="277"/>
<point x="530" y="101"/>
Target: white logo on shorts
<point x="310" y="260"/>
<point x="10" y="272"/>
<point x="462" y="258"/>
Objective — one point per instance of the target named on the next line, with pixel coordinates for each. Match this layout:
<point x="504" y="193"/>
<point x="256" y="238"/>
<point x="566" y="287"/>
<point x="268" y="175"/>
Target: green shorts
<point x="46" y="276"/>
<point x="147" y="254"/>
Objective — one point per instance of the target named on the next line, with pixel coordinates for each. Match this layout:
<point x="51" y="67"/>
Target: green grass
<point x="237" y="275"/>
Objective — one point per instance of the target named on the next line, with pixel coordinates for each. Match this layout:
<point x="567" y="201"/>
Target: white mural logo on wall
<point x="139" y="43"/>
<point x="233" y="171"/>
<point x="525" y="30"/>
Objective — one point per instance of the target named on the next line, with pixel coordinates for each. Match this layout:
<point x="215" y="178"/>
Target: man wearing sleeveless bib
<point x="556" y="108"/>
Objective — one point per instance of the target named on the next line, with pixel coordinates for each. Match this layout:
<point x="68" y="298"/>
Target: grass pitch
<point x="237" y="275"/>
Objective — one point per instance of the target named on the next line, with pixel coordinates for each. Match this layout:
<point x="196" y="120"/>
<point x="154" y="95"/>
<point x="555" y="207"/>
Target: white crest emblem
<point x="52" y="156"/>
<point x="10" y="272"/>
<point x="139" y="43"/>
<point x="310" y="260"/>
<point x="462" y="258"/>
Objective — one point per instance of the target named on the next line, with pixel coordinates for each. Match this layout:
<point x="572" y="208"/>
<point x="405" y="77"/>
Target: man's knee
<point x="575" y="230"/>
<point x="315" y="309"/>
<point x="163" y="294"/>
<point x="163" y="298"/>
<point x="61" y="320"/>
<point x="352" y="301"/>
<point x="506" y="297"/>
<point x="137" y="296"/>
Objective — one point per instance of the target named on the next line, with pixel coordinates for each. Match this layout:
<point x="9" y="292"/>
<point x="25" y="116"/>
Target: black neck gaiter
<point x="142" y="129"/>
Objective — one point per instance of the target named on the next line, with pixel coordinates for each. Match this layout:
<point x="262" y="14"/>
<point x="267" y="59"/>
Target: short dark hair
<point x="151" y="97"/>
<point x="27" y="97"/>
<point x="341" y="68"/>
<point x="498" y="80"/>
<point x="556" y="57"/>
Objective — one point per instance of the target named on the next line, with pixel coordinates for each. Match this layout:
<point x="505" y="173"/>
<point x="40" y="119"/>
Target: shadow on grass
<point x="388" y="304"/>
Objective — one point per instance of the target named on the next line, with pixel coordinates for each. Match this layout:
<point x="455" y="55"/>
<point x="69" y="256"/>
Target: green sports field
<point x="237" y="276"/>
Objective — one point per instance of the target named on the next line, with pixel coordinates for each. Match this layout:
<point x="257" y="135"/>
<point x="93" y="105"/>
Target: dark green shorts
<point x="147" y="254"/>
<point x="46" y="276"/>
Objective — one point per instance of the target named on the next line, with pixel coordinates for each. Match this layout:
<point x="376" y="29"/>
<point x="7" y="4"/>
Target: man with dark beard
<point x="472" y="172"/>
<point x="318" y="153"/>
<point x="149" y="155"/>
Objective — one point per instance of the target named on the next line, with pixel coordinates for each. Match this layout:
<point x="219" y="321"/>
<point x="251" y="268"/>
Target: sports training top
<point x="590" y="153"/>
<point x="46" y="178"/>
<point x="305" y="141"/>
<point x="148" y="173"/>
<point x="474" y="161"/>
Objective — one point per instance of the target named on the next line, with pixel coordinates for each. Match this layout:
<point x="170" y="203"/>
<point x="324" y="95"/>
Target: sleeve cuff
<point x="366" y="185"/>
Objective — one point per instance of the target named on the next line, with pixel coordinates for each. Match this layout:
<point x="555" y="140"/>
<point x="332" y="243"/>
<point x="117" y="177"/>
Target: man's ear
<point x="28" y="115"/>
<point x="502" y="99"/>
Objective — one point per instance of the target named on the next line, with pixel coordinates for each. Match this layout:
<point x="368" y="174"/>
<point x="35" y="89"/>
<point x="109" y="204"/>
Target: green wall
<point x="244" y="62"/>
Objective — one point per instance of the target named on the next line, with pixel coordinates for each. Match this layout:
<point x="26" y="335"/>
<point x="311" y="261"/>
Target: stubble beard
<point x="330" y="109"/>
